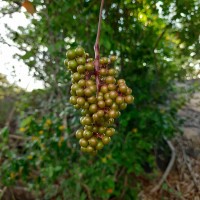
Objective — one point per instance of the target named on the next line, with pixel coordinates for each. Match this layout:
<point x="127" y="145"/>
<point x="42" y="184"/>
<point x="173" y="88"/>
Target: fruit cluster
<point x="100" y="101"/>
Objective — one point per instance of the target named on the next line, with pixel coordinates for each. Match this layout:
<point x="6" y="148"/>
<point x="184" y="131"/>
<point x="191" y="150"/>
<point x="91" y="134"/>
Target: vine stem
<point x="96" y="49"/>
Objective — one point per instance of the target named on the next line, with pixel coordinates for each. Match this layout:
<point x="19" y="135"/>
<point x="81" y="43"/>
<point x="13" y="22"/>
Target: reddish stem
<point x="96" y="49"/>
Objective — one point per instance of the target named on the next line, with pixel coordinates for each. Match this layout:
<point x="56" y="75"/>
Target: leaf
<point x="26" y="121"/>
<point x="4" y="132"/>
<point x="29" y="7"/>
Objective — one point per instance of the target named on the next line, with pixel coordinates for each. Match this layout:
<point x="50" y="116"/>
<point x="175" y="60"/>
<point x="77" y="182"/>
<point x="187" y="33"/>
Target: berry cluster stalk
<point x="96" y="49"/>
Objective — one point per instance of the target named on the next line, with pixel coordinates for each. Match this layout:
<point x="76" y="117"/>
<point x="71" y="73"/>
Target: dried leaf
<point x="29" y="7"/>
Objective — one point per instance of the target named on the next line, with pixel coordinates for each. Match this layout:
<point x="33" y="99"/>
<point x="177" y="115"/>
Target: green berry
<point x="87" y="134"/>
<point x="110" y="132"/>
<point x="79" y="134"/>
<point x="81" y="60"/>
<point x="93" y="108"/>
<point x="83" y="142"/>
<point x="72" y="64"/>
<point x="99" y="145"/>
<point x="71" y="54"/>
<point x="106" y="140"/>
<point x="80" y="101"/>
<point x="79" y="51"/>
<point x="93" y="141"/>
<point x="81" y="69"/>
<point x="129" y="99"/>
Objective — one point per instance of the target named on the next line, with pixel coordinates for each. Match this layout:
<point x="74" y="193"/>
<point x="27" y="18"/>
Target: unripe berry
<point x="111" y="86"/>
<point x="106" y="140"/>
<point x="129" y="99"/>
<point x="101" y="104"/>
<point x="88" y="92"/>
<point x="87" y="134"/>
<point x="113" y="94"/>
<point x="102" y="129"/>
<point x="83" y="149"/>
<point x="90" y="149"/>
<point x="111" y="72"/>
<point x="129" y="91"/>
<point x="71" y="54"/>
<point x="123" y="88"/>
<point x="122" y="106"/>
<point x="95" y="117"/>
<point x="89" y="128"/>
<point x="107" y="96"/>
<point x="86" y="105"/>
<point x="113" y="58"/>
<point x="89" y="66"/>
<point x="99" y="145"/>
<point x="119" y="100"/>
<point x="83" y="142"/>
<point x="93" y="141"/>
<point x="80" y="60"/>
<point x="79" y="51"/>
<point x="76" y="76"/>
<point x="73" y="100"/>
<point x="72" y="64"/>
<point x="93" y="108"/>
<point x="103" y="72"/>
<point x="110" y="79"/>
<point x="110" y="132"/>
<point x="81" y="69"/>
<point x="104" y="89"/>
<point x="95" y="129"/>
<point x="112" y="114"/>
<point x="80" y="92"/>
<point x="80" y="101"/>
<point x="81" y="83"/>
<point x="121" y="81"/>
<point x="79" y="134"/>
<point x="100" y="113"/>
<point x="108" y="102"/>
<point x="92" y="100"/>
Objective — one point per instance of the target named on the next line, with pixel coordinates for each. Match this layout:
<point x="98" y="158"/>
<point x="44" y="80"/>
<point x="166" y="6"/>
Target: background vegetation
<point x="158" y="45"/>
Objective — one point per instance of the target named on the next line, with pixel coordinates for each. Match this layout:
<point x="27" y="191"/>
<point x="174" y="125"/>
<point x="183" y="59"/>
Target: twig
<point x="174" y="193"/>
<point x="2" y="192"/>
<point x="124" y="187"/>
<point x="12" y="194"/>
<point x="155" y="46"/>
<point x="17" y="137"/>
<point x="10" y="117"/>
<point x="188" y="164"/>
<point x="161" y="35"/>
<point x="87" y="191"/>
<point x="96" y="49"/>
<point x="169" y="167"/>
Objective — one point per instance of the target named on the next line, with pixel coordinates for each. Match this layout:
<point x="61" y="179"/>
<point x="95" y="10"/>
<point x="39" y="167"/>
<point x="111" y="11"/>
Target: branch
<point x="2" y="192"/>
<point x="161" y="35"/>
<point x="10" y="116"/>
<point x="17" y="137"/>
<point x="87" y="190"/>
<point x="169" y="167"/>
<point x="155" y="46"/>
<point x="188" y="164"/>
<point x="96" y="49"/>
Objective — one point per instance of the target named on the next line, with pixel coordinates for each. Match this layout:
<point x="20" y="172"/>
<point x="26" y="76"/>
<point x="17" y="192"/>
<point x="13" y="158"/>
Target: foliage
<point x="158" y="43"/>
<point x="8" y="93"/>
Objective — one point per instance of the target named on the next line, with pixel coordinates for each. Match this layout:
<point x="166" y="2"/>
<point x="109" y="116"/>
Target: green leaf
<point x="4" y="132"/>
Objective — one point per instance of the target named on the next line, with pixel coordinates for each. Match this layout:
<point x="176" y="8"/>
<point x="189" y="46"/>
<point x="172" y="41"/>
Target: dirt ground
<point x="183" y="180"/>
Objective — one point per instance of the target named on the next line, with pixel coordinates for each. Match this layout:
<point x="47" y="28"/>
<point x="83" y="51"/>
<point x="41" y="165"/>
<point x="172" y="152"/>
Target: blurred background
<point x="158" y="45"/>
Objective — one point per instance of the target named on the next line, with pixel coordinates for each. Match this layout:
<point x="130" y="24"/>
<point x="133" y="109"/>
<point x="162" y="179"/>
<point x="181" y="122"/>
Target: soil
<point x="183" y="181"/>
